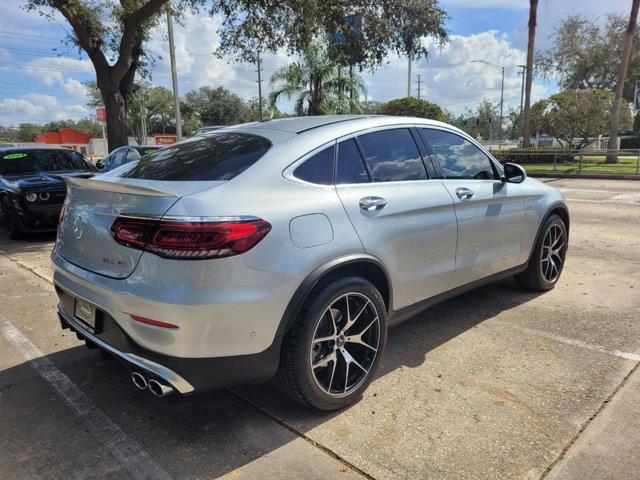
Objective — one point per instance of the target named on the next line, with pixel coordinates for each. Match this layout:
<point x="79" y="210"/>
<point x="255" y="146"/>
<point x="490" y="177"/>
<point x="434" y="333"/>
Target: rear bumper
<point x="185" y="375"/>
<point x="134" y="361"/>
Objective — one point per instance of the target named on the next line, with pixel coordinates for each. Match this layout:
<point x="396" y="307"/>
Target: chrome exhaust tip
<point x="160" y="389"/>
<point x="139" y="381"/>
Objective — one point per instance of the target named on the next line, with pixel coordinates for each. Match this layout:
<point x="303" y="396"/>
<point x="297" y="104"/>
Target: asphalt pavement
<point x="496" y="383"/>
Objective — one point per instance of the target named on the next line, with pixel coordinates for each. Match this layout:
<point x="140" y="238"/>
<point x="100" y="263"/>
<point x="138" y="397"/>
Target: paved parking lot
<point x="497" y="383"/>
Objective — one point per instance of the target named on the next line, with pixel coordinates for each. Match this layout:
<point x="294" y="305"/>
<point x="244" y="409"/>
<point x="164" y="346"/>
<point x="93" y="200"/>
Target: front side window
<point x="218" y="156"/>
<point x="392" y="156"/>
<point x="317" y="169"/>
<point x="458" y="157"/>
<point x="351" y="168"/>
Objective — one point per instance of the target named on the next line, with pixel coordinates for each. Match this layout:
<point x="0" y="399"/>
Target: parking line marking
<point x="128" y="452"/>
<point x="579" y="343"/>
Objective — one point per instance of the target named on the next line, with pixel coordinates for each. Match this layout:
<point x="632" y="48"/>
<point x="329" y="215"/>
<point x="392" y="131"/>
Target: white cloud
<point x="451" y="79"/>
<point x="39" y="108"/>
<point x="195" y="40"/>
<point x="514" y="4"/>
<point x="53" y="70"/>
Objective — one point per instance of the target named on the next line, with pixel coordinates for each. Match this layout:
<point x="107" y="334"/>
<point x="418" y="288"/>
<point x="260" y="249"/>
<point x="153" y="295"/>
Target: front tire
<point x="11" y="221"/>
<point x="333" y="350"/>
<point x="547" y="260"/>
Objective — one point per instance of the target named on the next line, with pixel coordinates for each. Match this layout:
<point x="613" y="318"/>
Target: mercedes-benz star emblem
<point x="77" y="227"/>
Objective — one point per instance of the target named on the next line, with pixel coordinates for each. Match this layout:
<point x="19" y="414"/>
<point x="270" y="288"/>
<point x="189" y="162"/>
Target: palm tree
<point x="526" y="124"/>
<point x="622" y="74"/>
<point x="317" y="84"/>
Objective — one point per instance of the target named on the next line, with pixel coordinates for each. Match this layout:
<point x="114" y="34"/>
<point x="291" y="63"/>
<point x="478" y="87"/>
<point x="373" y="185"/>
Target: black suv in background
<point x="32" y="186"/>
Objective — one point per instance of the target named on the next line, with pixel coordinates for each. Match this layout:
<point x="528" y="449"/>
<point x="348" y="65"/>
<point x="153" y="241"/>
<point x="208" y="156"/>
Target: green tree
<point x="113" y="34"/>
<point x="316" y="84"/>
<point x="412" y="107"/>
<point x="477" y="122"/>
<point x="575" y="117"/>
<point x="586" y="53"/>
<point x="9" y="134"/>
<point x="612" y="157"/>
<point x="268" y="111"/>
<point x="27" y="131"/>
<point x="155" y="101"/>
<point x="215" y="106"/>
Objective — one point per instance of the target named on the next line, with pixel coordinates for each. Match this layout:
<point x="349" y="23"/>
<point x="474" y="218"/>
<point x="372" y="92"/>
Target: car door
<point x="402" y="217"/>
<point x="490" y="212"/>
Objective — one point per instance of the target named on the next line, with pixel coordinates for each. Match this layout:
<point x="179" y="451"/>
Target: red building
<point x="64" y="136"/>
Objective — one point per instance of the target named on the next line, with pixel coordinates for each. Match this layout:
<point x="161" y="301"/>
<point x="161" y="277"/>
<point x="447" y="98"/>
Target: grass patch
<point x="590" y="164"/>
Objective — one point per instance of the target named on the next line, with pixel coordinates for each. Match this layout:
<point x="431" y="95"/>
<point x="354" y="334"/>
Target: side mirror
<point x="514" y="173"/>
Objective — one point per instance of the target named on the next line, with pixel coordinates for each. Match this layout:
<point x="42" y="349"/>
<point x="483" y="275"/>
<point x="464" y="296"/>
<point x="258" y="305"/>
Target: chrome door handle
<point x="372" y="204"/>
<point x="464" y="193"/>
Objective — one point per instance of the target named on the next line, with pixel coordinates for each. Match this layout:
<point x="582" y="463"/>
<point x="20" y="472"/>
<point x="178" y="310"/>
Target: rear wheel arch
<point x="366" y="266"/>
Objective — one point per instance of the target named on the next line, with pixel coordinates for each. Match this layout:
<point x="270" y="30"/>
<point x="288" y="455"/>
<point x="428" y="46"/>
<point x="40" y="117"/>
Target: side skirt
<point x="399" y="316"/>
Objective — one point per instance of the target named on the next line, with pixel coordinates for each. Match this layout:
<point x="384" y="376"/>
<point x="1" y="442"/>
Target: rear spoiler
<point x="116" y="187"/>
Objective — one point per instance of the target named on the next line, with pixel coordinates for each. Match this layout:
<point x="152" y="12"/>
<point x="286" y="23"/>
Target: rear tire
<point x="333" y="350"/>
<point x="547" y="260"/>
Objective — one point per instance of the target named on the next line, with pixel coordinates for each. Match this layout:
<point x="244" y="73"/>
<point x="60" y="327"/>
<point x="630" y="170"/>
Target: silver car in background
<point x="285" y="249"/>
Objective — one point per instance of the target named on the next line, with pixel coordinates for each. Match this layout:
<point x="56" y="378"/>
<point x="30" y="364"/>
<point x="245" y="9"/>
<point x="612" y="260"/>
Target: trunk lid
<point x="92" y="205"/>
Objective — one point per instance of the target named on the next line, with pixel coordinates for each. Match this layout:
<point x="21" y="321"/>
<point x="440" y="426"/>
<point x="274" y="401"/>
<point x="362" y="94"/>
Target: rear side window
<point x="216" y="157"/>
<point x="392" y="156"/>
<point x="458" y="157"/>
<point x="317" y="169"/>
<point x="351" y="167"/>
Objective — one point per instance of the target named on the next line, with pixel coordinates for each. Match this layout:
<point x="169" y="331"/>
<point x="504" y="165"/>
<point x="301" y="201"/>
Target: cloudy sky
<point x="41" y="80"/>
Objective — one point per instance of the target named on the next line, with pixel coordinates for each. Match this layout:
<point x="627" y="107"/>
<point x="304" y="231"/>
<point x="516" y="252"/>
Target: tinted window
<point x="117" y="157"/>
<point x="351" y="168"/>
<point x="142" y="150"/>
<point x="132" y="154"/>
<point x="317" y="169"/>
<point x="392" y="155"/>
<point x="29" y="161"/>
<point x="458" y="157"/>
<point x="220" y="156"/>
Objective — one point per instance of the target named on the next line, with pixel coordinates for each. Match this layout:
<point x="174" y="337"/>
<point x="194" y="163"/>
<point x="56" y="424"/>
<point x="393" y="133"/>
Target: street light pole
<point x="409" y="77"/>
<point x="174" y="74"/>
<point x="524" y="70"/>
<point x="501" y="68"/>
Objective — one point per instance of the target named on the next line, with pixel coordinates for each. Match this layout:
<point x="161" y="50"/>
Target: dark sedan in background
<point x="123" y="155"/>
<point x="32" y="186"/>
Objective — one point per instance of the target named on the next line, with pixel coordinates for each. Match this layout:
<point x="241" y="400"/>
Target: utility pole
<point x="143" y="124"/>
<point x="259" y="70"/>
<point x="351" y="91"/>
<point x="501" y="68"/>
<point x="174" y="75"/>
<point x="524" y="69"/>
<point x="419" y="82"/>
<point x="409" y="77"/>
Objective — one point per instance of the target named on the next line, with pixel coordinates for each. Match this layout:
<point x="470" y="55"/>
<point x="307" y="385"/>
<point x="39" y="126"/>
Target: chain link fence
<point x="579" y="161"/>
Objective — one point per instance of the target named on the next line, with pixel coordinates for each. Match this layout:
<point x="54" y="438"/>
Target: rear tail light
<point x="190" y="240"/>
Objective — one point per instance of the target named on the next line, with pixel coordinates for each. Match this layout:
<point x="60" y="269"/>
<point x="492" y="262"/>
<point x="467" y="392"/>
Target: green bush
<point x="630" y="141"/>
<point x="533" y="155"/>
<point x="412" y="107"/>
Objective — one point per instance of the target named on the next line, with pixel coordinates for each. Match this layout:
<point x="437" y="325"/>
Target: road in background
<point x="496" y="383"/>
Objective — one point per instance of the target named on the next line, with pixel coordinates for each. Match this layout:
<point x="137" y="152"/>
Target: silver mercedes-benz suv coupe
<point x="285" y="249"/>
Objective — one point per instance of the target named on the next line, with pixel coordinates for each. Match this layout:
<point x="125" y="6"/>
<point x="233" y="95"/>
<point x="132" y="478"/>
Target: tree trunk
<point x="526" y="127"/>
<point x="622" y="74"/>
<point x="116" y="118"/>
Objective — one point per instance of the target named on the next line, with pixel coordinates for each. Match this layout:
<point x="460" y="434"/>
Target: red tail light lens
<point x="190" y="240"/>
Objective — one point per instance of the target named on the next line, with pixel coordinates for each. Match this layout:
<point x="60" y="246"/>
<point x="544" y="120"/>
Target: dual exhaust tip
<point x="157" y="387"/>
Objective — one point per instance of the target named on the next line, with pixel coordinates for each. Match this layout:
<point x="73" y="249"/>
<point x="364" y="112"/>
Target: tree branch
<point x="82" y="34"/>
<point x="132" y="23"/>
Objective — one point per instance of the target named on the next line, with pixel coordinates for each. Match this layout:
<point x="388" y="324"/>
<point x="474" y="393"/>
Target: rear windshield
<point x="220" y="156"/>
<point x="19" y="162"/>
